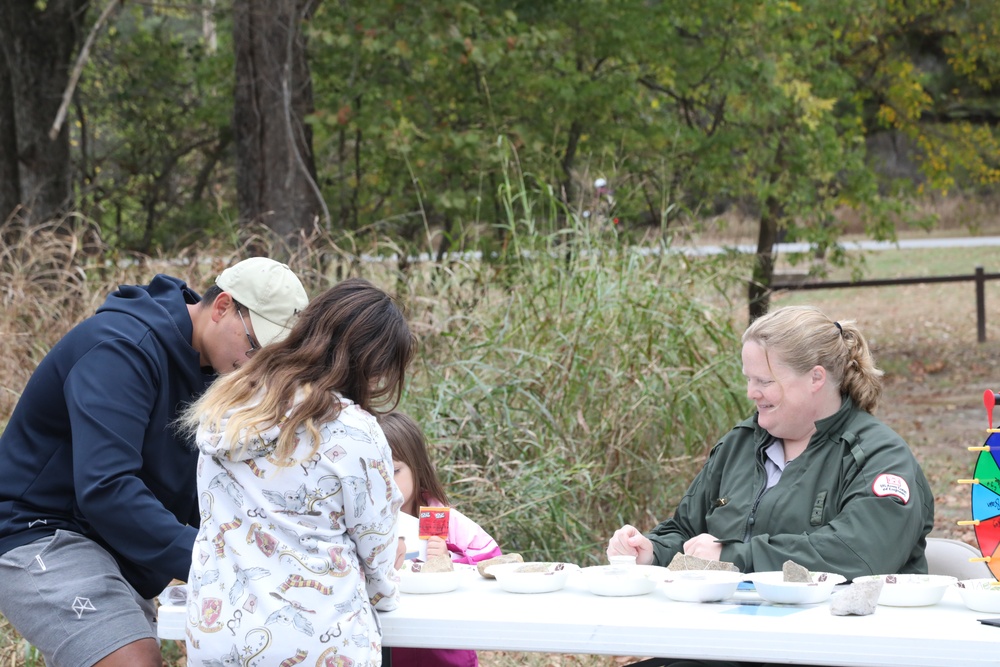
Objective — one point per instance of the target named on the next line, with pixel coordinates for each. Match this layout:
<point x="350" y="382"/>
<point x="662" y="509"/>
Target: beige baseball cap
<point x="270" y="291"/>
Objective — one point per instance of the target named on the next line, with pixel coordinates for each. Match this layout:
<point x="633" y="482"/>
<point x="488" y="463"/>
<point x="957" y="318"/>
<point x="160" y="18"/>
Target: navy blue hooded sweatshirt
<point x="90" y="447"/>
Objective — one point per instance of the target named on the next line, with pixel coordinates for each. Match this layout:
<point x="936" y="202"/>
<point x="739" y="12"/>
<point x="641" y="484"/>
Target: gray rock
<point x="792" y="571"/>
<point x="684" y="562"/>
<point x="858" y="599"/>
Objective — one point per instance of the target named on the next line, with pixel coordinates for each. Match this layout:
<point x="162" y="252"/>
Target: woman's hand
<point x="436" y="547"/>
<point x="703" y="546"/>
<point x="628" y="541"/>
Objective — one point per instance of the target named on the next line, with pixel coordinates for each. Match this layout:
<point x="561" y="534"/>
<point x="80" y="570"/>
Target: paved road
<point x="962" y="242"/>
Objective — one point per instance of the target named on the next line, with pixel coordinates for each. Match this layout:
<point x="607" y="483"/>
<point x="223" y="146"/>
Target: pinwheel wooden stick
<point x="989" y="402"/>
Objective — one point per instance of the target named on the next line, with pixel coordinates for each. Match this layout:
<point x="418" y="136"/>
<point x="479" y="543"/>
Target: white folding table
<point x="480" y="615"/>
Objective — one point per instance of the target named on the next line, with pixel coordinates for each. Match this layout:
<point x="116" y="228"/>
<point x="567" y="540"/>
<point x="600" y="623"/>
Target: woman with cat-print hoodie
<point x="298" y="542"/>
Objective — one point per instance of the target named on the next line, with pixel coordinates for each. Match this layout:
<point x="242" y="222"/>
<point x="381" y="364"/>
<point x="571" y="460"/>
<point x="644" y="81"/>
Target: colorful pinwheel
<point x="986" y="492"/>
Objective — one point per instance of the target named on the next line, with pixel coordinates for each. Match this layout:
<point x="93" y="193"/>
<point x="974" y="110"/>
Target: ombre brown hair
<point x="406" y="440"/>
<point x="802" y="337"/>
<point x="351" y="341"/>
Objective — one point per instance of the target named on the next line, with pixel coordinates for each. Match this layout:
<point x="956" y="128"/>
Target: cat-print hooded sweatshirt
<point x="291" y="562"/>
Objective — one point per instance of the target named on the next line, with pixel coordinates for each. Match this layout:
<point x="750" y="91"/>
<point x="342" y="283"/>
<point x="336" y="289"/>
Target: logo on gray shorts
<point x="81" y="605"/>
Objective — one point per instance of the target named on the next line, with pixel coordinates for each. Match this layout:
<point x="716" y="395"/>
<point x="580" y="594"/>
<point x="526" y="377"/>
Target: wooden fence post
<point x="980" y="304"/>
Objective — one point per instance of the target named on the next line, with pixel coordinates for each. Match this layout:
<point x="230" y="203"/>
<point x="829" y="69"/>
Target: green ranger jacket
<point x="855" y="502"/>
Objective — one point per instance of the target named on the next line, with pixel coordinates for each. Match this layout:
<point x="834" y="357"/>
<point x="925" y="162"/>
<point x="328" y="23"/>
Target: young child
<point x="467" y="541"/>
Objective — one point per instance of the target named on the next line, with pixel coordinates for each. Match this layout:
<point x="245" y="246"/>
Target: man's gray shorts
<point x="67" y="597"/>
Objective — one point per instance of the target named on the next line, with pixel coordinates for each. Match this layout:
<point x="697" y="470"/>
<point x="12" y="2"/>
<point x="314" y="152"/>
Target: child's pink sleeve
<point x="467" y="541"/>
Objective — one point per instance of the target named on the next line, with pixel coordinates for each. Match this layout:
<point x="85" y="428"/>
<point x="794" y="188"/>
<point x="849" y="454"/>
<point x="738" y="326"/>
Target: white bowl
<point x="171" y="615"/>
<point x="700" y="585"/>
<point x="980" y="594"/>
<point x="174" y="595"/>
<point x="621" y="580"/>
<point x="171" y="621"/>
<point x="520" y="577"/>
<point x="412" y="580"/>
<point x="911" y="590"/>
<point x="772" y="587"/>
<point x="621" y="560"/>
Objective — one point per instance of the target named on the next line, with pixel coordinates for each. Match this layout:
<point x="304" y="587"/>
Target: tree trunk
<point x="275" y="171"/>
<point x="759" y="293"/>
<point x="10" y="193"/>
<point x="37" y="43"/>
<point x="568" y="162"/>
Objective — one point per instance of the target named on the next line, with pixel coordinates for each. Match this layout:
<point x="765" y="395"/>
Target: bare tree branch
<point x="293" y="31"/>
<point x="81" y="60"/>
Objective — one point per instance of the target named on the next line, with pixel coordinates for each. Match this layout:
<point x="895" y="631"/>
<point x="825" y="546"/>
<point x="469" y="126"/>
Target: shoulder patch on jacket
<point x="891" y="485"/>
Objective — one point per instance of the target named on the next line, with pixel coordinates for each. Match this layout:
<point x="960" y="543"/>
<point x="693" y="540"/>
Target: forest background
<point x="163" y="124"/>
<point x="524" y="177"/>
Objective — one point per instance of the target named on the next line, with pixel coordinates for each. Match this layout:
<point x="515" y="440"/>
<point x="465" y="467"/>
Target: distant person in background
<point x="602" y="206"/>
<point x="98" y="506"/>
<point x="811" y="477"/>
<point x="298" y="539"/>
<point x="467" y="542"/>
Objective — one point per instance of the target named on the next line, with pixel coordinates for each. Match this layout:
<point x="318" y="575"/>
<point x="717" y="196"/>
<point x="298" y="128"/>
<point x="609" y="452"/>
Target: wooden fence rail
<point x="979" y="277"/>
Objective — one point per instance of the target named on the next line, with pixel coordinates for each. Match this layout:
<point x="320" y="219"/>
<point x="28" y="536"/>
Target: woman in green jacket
<point x="812" y="476"/>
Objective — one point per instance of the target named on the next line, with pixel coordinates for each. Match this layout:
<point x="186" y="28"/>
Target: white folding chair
<point x="951" y="558"/>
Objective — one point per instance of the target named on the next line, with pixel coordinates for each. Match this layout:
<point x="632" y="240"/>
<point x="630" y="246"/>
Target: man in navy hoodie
<point x="98" y="502"/>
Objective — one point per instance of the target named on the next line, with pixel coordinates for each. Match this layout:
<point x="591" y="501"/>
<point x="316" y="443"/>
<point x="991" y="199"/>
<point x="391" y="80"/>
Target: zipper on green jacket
<point x="760" y="494"/>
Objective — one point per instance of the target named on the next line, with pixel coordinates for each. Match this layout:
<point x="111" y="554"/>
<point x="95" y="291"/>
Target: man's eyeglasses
<point x="253" y="346"/>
